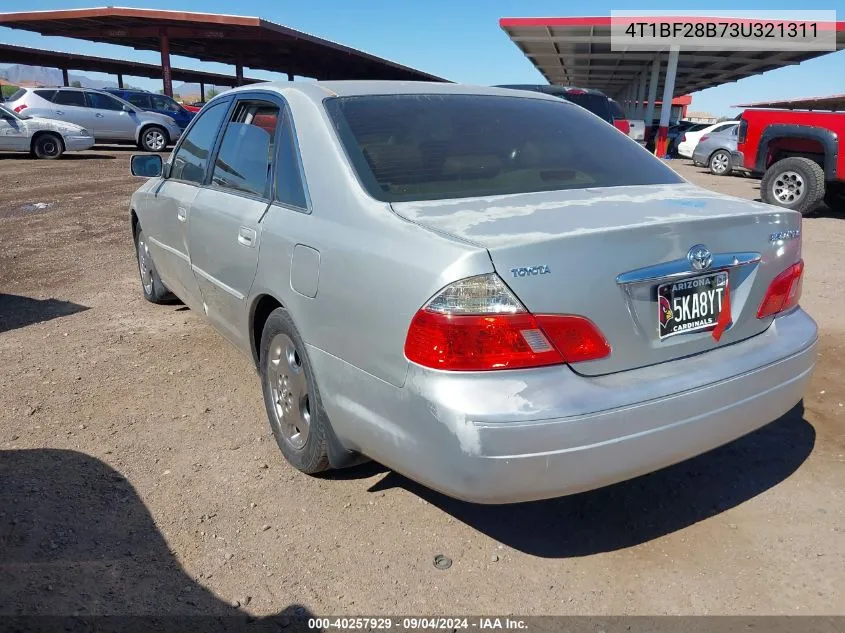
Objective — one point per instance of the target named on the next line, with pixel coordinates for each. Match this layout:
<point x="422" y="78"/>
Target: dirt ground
<point x="138" y="473"/>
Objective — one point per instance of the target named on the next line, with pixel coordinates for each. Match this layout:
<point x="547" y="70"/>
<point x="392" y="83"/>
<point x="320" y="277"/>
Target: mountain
<point x="41" y="76"/>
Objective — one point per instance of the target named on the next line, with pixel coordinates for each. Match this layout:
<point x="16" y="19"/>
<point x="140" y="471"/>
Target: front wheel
<point x="293" y="404"/>
<point x="795" y="183"/>
<point x="48" y="146"/>
<point x="720" y="163"/>
<point x="153" y="139"/>
<point x="154" y="289"/>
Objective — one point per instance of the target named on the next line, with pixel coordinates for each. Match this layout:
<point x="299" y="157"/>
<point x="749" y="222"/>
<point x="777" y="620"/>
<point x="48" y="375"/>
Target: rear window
<point x="428" y="147"/>
<point x="597" y="104"/>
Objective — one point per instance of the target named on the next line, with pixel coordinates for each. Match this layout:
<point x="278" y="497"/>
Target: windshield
<point x="427" y="147"/>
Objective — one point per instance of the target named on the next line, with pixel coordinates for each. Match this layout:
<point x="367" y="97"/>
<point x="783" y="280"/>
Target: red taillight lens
<point x="575" y="337"/>
<point x="683" y="138"/>
<point x="478" y="323"/>
<point x="21" y="107"/>
<point x="495" y="341"/>
<point x="784" y="291"/>
<point x="703" y="138"/>
<point x="576" y="91"/>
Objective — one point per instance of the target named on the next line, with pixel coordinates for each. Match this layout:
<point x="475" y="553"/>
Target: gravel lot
<point x="138" y="473"/>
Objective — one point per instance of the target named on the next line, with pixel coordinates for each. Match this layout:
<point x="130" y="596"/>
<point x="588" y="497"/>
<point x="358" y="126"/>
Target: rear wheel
<point x="48" y="146"/>
<point x="720" y="163"/>
<point x="154" y="289"/>
<point x="153" y="139"/>
<point x="291" y="398"/>
<point x="795" y="182"/>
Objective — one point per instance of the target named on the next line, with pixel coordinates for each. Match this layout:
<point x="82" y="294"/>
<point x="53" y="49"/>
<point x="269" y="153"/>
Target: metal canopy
<point x="833" y="102"/>
<point x="241" y="41"/>
<point x="576" y="51"/>
<point x="71" y="61"/>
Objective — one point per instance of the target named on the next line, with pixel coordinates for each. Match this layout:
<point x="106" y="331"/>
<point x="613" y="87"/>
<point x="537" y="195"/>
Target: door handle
<point x="59" y="111"/>
<point x="246" y="236"/>
<point x="182" y="214"/>
<point x="98" y="115"/>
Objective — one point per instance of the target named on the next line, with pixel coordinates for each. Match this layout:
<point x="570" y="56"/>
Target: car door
<point x="112" y="121"/>
<point x="166" y="216"/>
<point x="70" y="106"/>
<point x="14" y="136"/>
<point x="224" y="228"/>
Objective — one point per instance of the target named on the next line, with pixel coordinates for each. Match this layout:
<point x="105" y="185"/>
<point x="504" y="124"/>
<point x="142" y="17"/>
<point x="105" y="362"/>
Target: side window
<point x="141" y="101"/>
<point x="102" y="102"/>
<point x="289" y="187"/>
<point x="44" y="94"/>
<point x="246" y="153"/>
<point x="191" y="159"/>
<point x="70" y="98"/>
<point x="164" y="103"/>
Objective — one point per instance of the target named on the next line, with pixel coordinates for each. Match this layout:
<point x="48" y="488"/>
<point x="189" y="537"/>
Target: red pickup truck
<point x="800" y="156"/>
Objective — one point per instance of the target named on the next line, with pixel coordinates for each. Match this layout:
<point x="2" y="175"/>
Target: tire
<point x="48" y="146"/>
<point x="719" y="163"/>
<point x="795" y="183"/>
<point x="153" y="139"/>
<point x="151" y="285"/>
<point x="294" y="408"/>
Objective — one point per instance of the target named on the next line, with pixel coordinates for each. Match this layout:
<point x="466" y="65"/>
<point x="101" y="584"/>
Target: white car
<point x="43" y="138"/>
<point x="690" y="139"/>
<point x="637" y="131"/>
<point x="109" y="118"/>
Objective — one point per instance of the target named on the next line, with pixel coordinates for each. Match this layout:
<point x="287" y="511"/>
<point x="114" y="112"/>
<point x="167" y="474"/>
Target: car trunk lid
<point x="603" y="253"/>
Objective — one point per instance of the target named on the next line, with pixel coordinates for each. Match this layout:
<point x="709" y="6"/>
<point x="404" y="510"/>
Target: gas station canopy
<point x="576" y="51"/>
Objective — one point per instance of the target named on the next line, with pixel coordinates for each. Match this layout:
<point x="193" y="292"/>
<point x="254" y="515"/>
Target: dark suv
<point x="593" y="100"/>
<point x="152" y="102"/>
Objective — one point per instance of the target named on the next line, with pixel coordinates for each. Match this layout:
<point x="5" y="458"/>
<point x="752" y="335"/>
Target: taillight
<point x="21" y="107"/>
<point x="478" y="324"/>
<point x="703" y="138"/>
<point x="622" y="125"/>
<point x="784" y="291"/>
<point x="576" y="91"/>
<point x="683" y="138"/>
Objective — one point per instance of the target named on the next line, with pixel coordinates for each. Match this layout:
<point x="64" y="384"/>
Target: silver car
<point x="109" y="118"/>
<point x="490" y="291"/>
<point x="43" y="138"/>
<point x="714" y="151"/>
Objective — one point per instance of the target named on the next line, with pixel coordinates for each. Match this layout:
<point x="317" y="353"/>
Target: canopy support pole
<point x="660" y="146"/>
<point x="166" y="73"/>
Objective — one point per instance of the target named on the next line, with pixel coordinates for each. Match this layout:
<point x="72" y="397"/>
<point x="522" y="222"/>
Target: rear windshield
<point x="597" y="104"/>
<point x="429" y="147"/>
<point x="17" y="94"/>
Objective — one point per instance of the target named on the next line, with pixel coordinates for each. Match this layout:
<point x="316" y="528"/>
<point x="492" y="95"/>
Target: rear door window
<point x="246" y="152"/>
<point x="426" y="147"/>
<point x="70" y="98"/>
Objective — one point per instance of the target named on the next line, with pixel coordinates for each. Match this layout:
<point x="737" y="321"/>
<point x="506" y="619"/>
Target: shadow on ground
<point x="642" y="509"/>
<point x="76" y="540"/>
<point x="65" y="156"/>
<point x="17" y="311"/>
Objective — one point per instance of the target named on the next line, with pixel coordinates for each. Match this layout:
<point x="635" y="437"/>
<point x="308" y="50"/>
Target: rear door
<point x="224" y="229"/>
<point x="70" y="106"/>
<point x="166" y="218"/>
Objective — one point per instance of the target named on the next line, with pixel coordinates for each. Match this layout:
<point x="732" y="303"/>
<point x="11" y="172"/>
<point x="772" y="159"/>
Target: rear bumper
<point x="685" y="150"/>
<point x="502" y="437"/>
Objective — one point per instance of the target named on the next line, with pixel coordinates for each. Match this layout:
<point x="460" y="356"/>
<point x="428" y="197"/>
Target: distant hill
<point x="41" y="76"/>
<point x="191" y="92"/>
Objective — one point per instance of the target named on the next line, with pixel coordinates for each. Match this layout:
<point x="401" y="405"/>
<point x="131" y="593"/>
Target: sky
<point x="459" y="40"/>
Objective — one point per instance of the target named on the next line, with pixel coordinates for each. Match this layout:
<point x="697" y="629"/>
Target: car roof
<point x="320" y="90"/>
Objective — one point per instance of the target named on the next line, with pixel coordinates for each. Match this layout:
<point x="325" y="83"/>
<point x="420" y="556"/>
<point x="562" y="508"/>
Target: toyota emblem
<point x="700" y="257"/>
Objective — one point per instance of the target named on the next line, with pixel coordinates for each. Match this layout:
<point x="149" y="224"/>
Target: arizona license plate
<point x="691" y="305"/>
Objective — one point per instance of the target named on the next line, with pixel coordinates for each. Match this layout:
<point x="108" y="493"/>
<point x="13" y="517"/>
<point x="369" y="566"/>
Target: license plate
<point x="691" y="305"/>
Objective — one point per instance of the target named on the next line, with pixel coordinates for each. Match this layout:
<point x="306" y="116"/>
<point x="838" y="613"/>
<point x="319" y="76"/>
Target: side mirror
<point x="146" y="165"/>
<point x="126" y="108"/>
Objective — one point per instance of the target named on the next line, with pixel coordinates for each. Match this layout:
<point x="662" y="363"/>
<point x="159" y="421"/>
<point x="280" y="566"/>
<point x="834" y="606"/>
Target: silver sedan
<point x="490" y="291"/>
<point x="43" y="138"/>
<point x="714" y="151"/>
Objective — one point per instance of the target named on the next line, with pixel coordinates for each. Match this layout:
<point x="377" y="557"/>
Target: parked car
<point x="593" y="100"/>
<point x="620" y="122"/>
<point x="488" y="291"/>
<point x="43" y="138"/>
<point x="799" y="155"/>
<point x="152" y="102"/>
<point x="107" y="117"/>
<point x="689" y="138"/>
<point x="715" y="151"/>
<point x="194" y="107"/>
